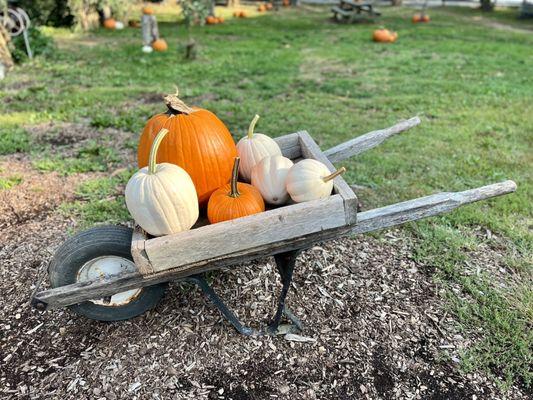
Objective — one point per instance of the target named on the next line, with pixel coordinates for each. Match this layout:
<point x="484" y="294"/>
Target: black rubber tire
<point x="87" y="245"/>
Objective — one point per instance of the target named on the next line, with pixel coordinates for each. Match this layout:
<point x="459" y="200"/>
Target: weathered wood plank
<point x="368" y="221"/>
<point x="285" y="223"/>
<point x="310" y="149"/>
<point x="289" y="145"/>
<point x="367" y="141"/>
<point x="440" y="203"/>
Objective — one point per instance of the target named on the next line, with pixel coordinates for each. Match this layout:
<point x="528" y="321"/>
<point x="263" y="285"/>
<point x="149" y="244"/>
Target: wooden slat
<point x="224" y="238"/>
<point x="367" y="141"/>
<point x="368" y="221"/>
<point x="311" y="150"/>
<point x="289" y="145"/>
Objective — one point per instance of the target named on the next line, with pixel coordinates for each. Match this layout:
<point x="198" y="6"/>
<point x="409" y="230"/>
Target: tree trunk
<point x="487" y="5"/>
<point x="396" y="2"/>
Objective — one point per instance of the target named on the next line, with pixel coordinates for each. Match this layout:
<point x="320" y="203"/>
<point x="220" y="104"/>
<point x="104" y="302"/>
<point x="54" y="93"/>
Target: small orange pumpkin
<point x="148" y="10"/>
<point x="236" y="14"/>
<point x="384" y="36"/>
<point x="243" y="14"/>
<point x="110" y="23"/>
<point x="269" y="6"/>
<point x="234" y="200"/>
<point x="197" y="141"/>
<point x="220" y="20"/>
<point x="211" y="20"/>
<point x="420" y="18"/>
<point x="159" y="45"/>
<point x="261" y="8"/>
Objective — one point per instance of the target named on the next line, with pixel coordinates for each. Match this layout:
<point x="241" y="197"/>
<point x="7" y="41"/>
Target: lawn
<point x="471" y="85"/>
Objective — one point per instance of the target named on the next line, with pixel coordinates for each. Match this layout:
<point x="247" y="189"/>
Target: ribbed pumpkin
<point x="161" y="197"/>
<point x="421" y="18"/>
<point x="197" y="141"/>
<point x="234" y="200"/>
<point x="384" y="36"/>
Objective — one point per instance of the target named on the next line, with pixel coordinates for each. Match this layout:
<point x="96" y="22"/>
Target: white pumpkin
<point x="253" y="148"/>
<point x="269" y="176"/>
<point x="310" y="180"/>
<point x="161" y="197"/>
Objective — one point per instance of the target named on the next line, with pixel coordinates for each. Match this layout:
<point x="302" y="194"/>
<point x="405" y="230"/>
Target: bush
<point x="40" y="45"/>
<point x="47" y="12"/>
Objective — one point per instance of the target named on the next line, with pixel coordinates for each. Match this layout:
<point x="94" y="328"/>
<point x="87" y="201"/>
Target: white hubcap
<point x="102" y="268"/>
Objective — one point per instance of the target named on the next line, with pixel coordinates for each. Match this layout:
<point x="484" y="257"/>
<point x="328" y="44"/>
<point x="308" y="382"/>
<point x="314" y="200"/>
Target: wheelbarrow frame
<point x="282" y="232"/>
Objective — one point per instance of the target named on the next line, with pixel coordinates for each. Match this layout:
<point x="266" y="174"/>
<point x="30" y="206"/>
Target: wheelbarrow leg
<point x="285" y="265"/>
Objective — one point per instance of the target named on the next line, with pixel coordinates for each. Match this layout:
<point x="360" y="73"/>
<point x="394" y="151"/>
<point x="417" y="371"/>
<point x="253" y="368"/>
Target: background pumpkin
<point x="197" y="141"/>
<point x="161" y="197"/>
<point x="110" y="23"/>
<point x="159" y="45"/>
<point x="234" y="200"/>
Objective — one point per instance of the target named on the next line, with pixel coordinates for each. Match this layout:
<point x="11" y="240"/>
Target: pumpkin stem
<point x="234" y="176"/>
<point x="152" y="165"/>
<point x="176" y="105"/>
<point x="252" y="126"/>
<point x="340" y="171"/>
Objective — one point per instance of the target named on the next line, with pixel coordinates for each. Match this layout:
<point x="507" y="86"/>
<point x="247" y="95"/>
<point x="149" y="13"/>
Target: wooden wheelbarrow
<point x="112" y="273"/>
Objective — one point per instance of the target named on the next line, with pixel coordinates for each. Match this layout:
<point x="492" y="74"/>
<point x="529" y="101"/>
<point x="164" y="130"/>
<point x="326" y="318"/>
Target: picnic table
<point x="352" y="11"/>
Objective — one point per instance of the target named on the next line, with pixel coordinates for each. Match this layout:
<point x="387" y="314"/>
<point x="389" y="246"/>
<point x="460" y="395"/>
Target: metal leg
<point x="285" y="263"/>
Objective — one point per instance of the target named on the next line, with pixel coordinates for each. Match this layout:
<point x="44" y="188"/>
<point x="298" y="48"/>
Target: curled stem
<point x="252" y="126"/>
<point x="152" y="160"/>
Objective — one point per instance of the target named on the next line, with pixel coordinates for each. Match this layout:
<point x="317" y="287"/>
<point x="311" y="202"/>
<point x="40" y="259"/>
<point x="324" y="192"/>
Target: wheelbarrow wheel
<point x="97" y="253"/>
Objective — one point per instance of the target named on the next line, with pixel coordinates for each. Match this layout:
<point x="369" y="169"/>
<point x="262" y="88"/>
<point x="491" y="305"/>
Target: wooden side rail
<point x="368" y="221"/>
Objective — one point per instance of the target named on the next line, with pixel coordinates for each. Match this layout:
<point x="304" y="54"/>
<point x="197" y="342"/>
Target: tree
<point x="486" y="5"/>
<point x="194" y="13"/>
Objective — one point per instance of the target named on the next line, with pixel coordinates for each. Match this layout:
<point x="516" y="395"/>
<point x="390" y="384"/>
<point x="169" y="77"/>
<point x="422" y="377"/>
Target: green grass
<point x="9" y="182"/>
<point x="471" y="85"/>
<point x="100" y="200"/>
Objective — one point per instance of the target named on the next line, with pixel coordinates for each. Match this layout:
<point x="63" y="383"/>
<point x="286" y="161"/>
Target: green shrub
<point x="13" y="141"/>
<point x="40" y="44"/>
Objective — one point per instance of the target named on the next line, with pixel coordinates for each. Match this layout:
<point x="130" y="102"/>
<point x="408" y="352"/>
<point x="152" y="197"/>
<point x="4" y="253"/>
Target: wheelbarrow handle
<point x="368" y="141"/>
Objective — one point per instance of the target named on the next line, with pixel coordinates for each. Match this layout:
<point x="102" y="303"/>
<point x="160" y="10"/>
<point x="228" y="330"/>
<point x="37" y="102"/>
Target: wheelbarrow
<point x="112" y="273"/>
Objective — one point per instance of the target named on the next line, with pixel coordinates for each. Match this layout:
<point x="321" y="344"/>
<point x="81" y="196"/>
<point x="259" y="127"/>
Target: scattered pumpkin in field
<point x="270" y="176"/>
<point x="420" y="18"/>
<point x="148" y="10"/>
<point x="119" y="25"/>
<point x="236" y="14"/>
<point x="234" y="200"/>
<point x="220" y="20"/>
<point x="211" y="20"/>
<point x="310" y="180"/>
<point x="159" y="45"/>
<point x="269" y="6"/>
<point x="286" y="3"/>
<point x="243" y="14"/>
<point x="110" y="23"/>
<point x="198" y="142"/>
<point x="384" y="36"/>
<point x="261" y="8"/>
<point x="253" y="148"/>
<point x="161" y="197"/>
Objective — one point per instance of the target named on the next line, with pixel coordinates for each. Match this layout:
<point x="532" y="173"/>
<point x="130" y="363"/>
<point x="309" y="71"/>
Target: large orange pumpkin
<point x="110" y="23"/>
<point x="197" y="141"/>
<point x="234" y="200"/>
